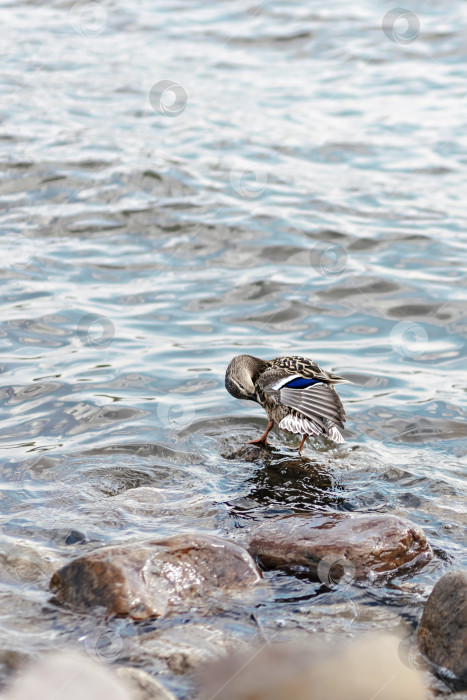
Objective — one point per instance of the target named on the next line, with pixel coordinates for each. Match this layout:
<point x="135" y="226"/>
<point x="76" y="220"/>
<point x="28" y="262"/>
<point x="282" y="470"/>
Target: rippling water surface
<point x="301" y="190"/>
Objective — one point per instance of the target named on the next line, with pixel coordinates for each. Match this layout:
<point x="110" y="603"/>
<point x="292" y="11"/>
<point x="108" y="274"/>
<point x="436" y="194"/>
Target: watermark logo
<point x="409" y="652"/>
<point x="20" y="250"/>
<point x="248" y="182"/>
<point x="328" y="258"/>
<point x="104" y="644"/>
<point x="176" y="412"/>
<point x="409" y="339"/>
<point x="168" y="98"/>
<point x="88" y="18"/>
<point x="336" y="572"/>
<point x="24" y="564"/>
<point x="96" y="330"/>
<point x="401" y="26"/>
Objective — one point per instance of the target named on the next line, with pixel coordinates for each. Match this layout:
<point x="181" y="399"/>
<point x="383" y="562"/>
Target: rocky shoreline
<point x="186" y="579"/>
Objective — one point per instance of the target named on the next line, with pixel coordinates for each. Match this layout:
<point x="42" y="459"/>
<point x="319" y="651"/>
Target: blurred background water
<point x="186" y="181"/>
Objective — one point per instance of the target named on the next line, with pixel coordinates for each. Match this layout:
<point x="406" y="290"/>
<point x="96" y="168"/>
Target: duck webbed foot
<point x="263" y="440"/>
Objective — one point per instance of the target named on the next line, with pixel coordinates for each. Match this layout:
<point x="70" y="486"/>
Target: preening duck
<point x="295" y="392"/>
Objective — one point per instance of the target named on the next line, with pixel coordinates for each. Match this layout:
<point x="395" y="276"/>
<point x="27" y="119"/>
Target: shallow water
<point x="303" y="194"/>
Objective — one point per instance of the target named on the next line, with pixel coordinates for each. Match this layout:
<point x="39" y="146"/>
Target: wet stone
<point x="330" y="547"/>
<point x="75" y="537"/>
<point x="148" y="579"/>
<point x="442" y="632"/>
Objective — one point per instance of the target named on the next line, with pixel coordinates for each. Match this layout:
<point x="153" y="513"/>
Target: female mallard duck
<point x="296" y="394"/>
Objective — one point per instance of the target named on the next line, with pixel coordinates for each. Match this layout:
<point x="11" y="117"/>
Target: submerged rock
<point x="147" y="579"/>
<point x="442" y="632"/>
<point x="329" y="546"/>
<point x="184" y="647"/>
<point x="11" y="661"/>
<point x="363" y="669"/>
<point x="27" y="562"/>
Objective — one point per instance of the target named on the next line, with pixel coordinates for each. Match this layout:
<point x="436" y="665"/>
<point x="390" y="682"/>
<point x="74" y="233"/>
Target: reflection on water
<point x="181" y="184"/>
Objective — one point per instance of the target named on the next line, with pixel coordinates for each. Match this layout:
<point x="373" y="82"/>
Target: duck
<point x="297" y="395"/>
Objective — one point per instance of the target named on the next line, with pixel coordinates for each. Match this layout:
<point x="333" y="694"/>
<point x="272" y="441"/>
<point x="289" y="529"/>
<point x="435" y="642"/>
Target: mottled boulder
<point x="147" y="579"/>
<point x="442" y="632"/>
<point x="329" y="546"/>
<point x="366" y="668"/>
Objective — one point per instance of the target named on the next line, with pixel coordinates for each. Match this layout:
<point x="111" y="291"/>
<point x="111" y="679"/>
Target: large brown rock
<point x="442" y="632"/>
<point x="329" y="546"/>
<point x="147" y="579"/>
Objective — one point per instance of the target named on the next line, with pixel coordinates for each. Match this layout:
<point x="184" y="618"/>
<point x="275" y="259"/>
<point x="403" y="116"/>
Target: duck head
<point x="242" y="374"/>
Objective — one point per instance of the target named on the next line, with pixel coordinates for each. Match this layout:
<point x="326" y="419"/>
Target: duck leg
<point x="301" y="444"/>
<point x="263" y="440"/>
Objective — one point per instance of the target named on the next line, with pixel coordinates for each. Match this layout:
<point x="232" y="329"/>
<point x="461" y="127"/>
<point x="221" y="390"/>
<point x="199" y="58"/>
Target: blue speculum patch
<point x="301" y="383"/>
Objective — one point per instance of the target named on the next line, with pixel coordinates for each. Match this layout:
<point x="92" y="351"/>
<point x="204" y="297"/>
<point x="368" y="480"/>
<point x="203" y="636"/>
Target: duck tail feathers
<point x="334" y="434"/>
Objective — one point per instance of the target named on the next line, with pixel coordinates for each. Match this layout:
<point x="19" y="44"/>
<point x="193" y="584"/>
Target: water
<point x="299" y="191"/>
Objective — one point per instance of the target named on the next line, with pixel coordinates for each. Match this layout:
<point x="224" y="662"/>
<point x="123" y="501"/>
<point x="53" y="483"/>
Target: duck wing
<point x="317" y="401"/>
<point x="312" y="396"/>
